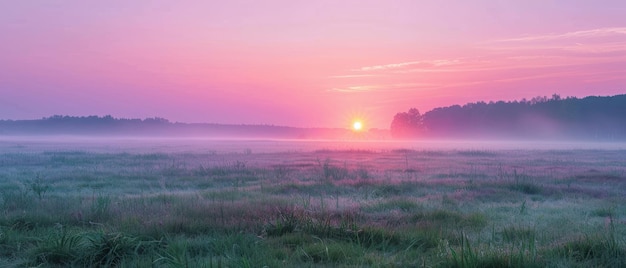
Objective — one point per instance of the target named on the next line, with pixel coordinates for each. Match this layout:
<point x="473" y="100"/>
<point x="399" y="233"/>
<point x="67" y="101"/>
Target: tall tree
<point x="407" y="124"/>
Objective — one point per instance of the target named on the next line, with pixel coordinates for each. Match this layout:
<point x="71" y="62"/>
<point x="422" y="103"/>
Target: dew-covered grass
<point x="88" y="207"/>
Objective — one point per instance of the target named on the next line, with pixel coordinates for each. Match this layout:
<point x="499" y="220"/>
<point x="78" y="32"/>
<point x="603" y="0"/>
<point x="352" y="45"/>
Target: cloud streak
<point x="352" y="76"/>
<point x="592" y="42"/>
<point x="593" y="33"/>
<point x="401" y="65"/>
<point x="383" y="87"/>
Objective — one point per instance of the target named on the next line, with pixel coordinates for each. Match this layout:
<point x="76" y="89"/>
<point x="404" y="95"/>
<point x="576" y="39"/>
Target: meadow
<point x="272" y="205"/>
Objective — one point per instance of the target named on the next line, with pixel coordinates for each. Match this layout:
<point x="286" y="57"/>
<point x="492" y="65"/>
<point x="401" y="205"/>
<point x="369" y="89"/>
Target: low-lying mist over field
<point x="68" y="201"/>
<point x="239" y="145"/>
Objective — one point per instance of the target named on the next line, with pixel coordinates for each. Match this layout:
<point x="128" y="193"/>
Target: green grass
<point x="475" y="208"/>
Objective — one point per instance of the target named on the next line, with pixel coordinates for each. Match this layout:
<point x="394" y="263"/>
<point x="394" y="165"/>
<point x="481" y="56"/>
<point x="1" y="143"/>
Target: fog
<point x="17" y="144"/>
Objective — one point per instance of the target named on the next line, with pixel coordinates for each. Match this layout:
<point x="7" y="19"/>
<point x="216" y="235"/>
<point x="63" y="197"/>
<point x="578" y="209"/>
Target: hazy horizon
<point x="267" y="145"/>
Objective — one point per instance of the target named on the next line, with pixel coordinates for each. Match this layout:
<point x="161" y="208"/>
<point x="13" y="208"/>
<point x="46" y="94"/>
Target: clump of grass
<point x="108" y="249"/>
<point x="281" y="172"/>
<point x="604" y="212"/>
<point x="442" y="217"/>
<point x="175" y="255"/>
<point x="287" y="222"/>
<point x="366" y="237"/>
<point x="330" y="171"/>
<point x="24" y="223"/>
<point x="318" y="224"/>
<point x="241" y="250"/>
<point x="294" y="240"/>
<point x="518" y="233"/>
<point x="73" y="248"/>
<point x="522" y="184"/>
<point x="340" y="227"/>
<point x="331" y="252"/>
<point x="475" y="220"/>
<point x="401" y="204"/>
<point x="599" y="250"/>
<point x="100" y="207"/>
<point x="39" y="188"/>
<point x="595" y="250"/>
<point x="62" y="247"/>
<point x="469" y="256"/>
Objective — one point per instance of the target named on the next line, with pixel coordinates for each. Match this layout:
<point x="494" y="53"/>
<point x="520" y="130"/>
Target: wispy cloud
<point x="361" y="88"/>
<point x="594" y="42"/>
<point x="424" y="63"/>
<point x="352" y="76"/>
<point x="381" y="87"/>
<point x="593" y="33"/>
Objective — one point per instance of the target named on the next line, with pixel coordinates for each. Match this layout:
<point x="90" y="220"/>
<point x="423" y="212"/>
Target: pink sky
<point x="300" y="63"/>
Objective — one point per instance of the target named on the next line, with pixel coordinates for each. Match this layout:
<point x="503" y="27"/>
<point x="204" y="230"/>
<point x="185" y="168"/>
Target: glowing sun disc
<point x="357" y="125"/>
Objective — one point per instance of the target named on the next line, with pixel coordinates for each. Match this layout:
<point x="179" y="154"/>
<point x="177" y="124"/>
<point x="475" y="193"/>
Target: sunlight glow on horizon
<point x="357" y="126"/>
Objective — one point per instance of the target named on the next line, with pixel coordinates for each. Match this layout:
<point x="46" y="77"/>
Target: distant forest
<point x="157" y="127"/>
<point x="590" y="118"/>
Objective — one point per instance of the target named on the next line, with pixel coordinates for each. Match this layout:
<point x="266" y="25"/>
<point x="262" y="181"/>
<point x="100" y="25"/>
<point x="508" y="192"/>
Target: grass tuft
<point x="62" y="247"/>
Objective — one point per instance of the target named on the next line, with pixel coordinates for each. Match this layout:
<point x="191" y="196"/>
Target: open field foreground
<point x="352" y="207"/>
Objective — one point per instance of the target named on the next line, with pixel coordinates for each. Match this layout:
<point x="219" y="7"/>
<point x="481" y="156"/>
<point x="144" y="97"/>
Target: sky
<point x="301" y="63"/>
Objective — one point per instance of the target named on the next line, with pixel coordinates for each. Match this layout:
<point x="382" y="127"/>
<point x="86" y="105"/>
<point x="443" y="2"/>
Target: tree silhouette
<point x="407" y="124"/>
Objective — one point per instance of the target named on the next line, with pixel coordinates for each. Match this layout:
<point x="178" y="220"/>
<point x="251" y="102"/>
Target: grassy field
<point x="380" y="208"/>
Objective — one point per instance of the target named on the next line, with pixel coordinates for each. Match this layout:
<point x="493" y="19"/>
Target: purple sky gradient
<point x="300" y="63"/>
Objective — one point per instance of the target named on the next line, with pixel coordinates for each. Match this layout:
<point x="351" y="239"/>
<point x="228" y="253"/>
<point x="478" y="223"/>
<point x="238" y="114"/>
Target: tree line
<point x="594" y="118"/>
<point x="157" y="127"/>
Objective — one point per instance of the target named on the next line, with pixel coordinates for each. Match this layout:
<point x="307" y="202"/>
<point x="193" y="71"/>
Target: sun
<point x="357" y="126"/>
